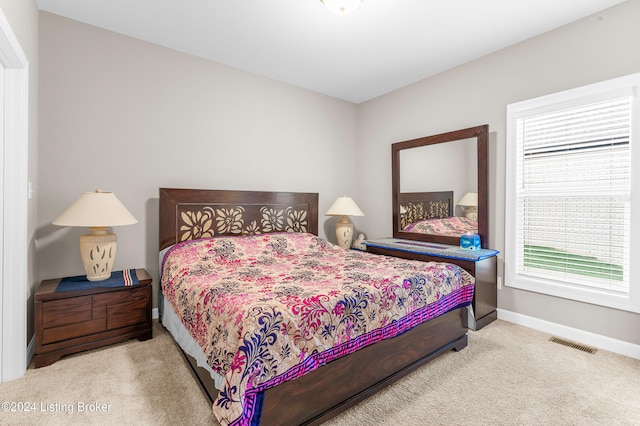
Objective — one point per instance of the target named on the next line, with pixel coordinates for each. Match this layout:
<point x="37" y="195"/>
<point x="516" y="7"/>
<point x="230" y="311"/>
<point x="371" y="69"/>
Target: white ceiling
<point x="382" y="46"/>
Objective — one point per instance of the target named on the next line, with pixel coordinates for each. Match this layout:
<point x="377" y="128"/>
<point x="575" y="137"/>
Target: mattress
<point x="181" y="335"/>
<point x="186" y="342"/>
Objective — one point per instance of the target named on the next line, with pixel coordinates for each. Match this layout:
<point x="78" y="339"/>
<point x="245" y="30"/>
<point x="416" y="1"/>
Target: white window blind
<point x="574" y="194"/>
<point x="571" y="209"/>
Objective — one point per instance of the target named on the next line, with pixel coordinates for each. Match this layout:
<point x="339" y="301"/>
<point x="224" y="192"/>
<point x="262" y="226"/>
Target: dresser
<point x="482" y="264"/>
<point x="71" y="321"/>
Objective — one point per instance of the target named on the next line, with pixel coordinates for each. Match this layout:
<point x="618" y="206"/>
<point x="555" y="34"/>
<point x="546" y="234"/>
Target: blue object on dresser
<point x="470" y="242"/>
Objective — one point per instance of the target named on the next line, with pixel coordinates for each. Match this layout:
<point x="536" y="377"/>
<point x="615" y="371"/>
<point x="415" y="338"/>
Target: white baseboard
<point x="579" y="336"/>
<point x="154" y="313"/>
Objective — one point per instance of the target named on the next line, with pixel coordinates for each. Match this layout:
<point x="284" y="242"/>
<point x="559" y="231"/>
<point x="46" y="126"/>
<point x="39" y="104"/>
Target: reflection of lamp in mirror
<point x="344" y="206"/>
<point x="469" y="203"/>
<point x="98" y="211"/>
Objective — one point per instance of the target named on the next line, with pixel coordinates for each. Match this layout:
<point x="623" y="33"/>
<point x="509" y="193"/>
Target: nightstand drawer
<point x="121" y="296"/>
<point x="66" y="332"/>
<point x="66" y="311"/>
<point x="129" y="313"/>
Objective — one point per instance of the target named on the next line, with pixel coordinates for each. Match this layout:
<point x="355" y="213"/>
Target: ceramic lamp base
<point x="344" y="232"/>
<point x="98" y="252"/>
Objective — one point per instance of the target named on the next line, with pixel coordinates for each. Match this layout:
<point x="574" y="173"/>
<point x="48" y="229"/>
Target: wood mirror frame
<point x="480" y="133"/>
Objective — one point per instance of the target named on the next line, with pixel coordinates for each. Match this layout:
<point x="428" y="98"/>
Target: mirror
<point x="430" y="176"/>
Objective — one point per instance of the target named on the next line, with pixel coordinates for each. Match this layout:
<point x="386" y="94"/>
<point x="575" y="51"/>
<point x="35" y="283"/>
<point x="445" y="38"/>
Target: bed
<point x="432" y="213"/>
<point x="323" y="380"/>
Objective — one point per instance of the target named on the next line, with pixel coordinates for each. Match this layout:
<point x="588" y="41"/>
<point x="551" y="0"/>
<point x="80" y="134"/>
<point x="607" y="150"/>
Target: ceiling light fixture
<point x="341" y="7"/>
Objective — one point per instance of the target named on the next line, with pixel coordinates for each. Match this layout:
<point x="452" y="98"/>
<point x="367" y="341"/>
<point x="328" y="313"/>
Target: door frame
<point x="14" y="284"/>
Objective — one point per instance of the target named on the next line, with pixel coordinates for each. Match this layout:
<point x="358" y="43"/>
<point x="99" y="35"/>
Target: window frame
<point x="627" y="85"/>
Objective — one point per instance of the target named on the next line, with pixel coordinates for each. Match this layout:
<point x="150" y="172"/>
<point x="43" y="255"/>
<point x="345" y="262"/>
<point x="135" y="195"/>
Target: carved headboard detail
<point x="207" y="220"/>
<point x="187" y="214"/>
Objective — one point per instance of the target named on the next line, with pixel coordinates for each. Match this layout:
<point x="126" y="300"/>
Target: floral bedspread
<point x="270" y="308"/>
<point x="453" y="226"/>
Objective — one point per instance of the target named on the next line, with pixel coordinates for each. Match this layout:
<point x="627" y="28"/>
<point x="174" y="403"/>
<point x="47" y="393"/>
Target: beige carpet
<point x="508" y="375"/>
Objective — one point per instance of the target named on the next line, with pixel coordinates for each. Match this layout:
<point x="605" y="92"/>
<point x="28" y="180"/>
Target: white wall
<point x="129" y="117"/>
<point x="596" y="48"/>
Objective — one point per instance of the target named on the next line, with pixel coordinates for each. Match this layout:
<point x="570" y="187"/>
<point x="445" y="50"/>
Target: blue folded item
<point x="117" y="279"/>
<point x="470" y="242"/>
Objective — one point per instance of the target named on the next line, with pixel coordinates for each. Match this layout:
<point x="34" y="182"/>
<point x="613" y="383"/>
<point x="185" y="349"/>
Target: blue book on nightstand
<point x="124" y="278"/>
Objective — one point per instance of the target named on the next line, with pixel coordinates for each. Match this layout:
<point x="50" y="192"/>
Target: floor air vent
<point x="573" y="345"/>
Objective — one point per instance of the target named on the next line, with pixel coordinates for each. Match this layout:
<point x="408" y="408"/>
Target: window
<point x="571" y="161"/>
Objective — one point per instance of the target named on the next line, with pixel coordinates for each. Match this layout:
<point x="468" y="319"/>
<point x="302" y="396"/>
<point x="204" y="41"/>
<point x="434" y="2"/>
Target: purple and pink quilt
<point x="273" y="307"/>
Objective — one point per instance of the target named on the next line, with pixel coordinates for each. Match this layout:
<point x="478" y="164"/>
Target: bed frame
<point x="323" y="393"/>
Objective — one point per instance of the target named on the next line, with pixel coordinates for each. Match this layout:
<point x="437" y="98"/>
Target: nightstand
<point x="482" y="264"/>
<point x="67" y="322"/>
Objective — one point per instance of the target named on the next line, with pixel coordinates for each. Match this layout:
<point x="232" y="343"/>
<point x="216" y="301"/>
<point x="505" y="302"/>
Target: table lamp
<point x="469" y="203"/>
<point x="344" y="206"/>
<point x="98" y="211"/>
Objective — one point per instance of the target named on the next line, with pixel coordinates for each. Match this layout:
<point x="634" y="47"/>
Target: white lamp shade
<point x="470" y="199"/>
<point x="341" y="7"/>
<point x="96" y="209"/>
<point x="344" y="206"/>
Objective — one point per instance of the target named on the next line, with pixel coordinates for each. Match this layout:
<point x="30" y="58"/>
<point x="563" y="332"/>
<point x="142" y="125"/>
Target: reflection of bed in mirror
<point x="432" y="213"/>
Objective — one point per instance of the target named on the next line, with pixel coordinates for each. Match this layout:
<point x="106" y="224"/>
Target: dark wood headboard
<point x="187" y="214"/>
<point x="416" y="206"/>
